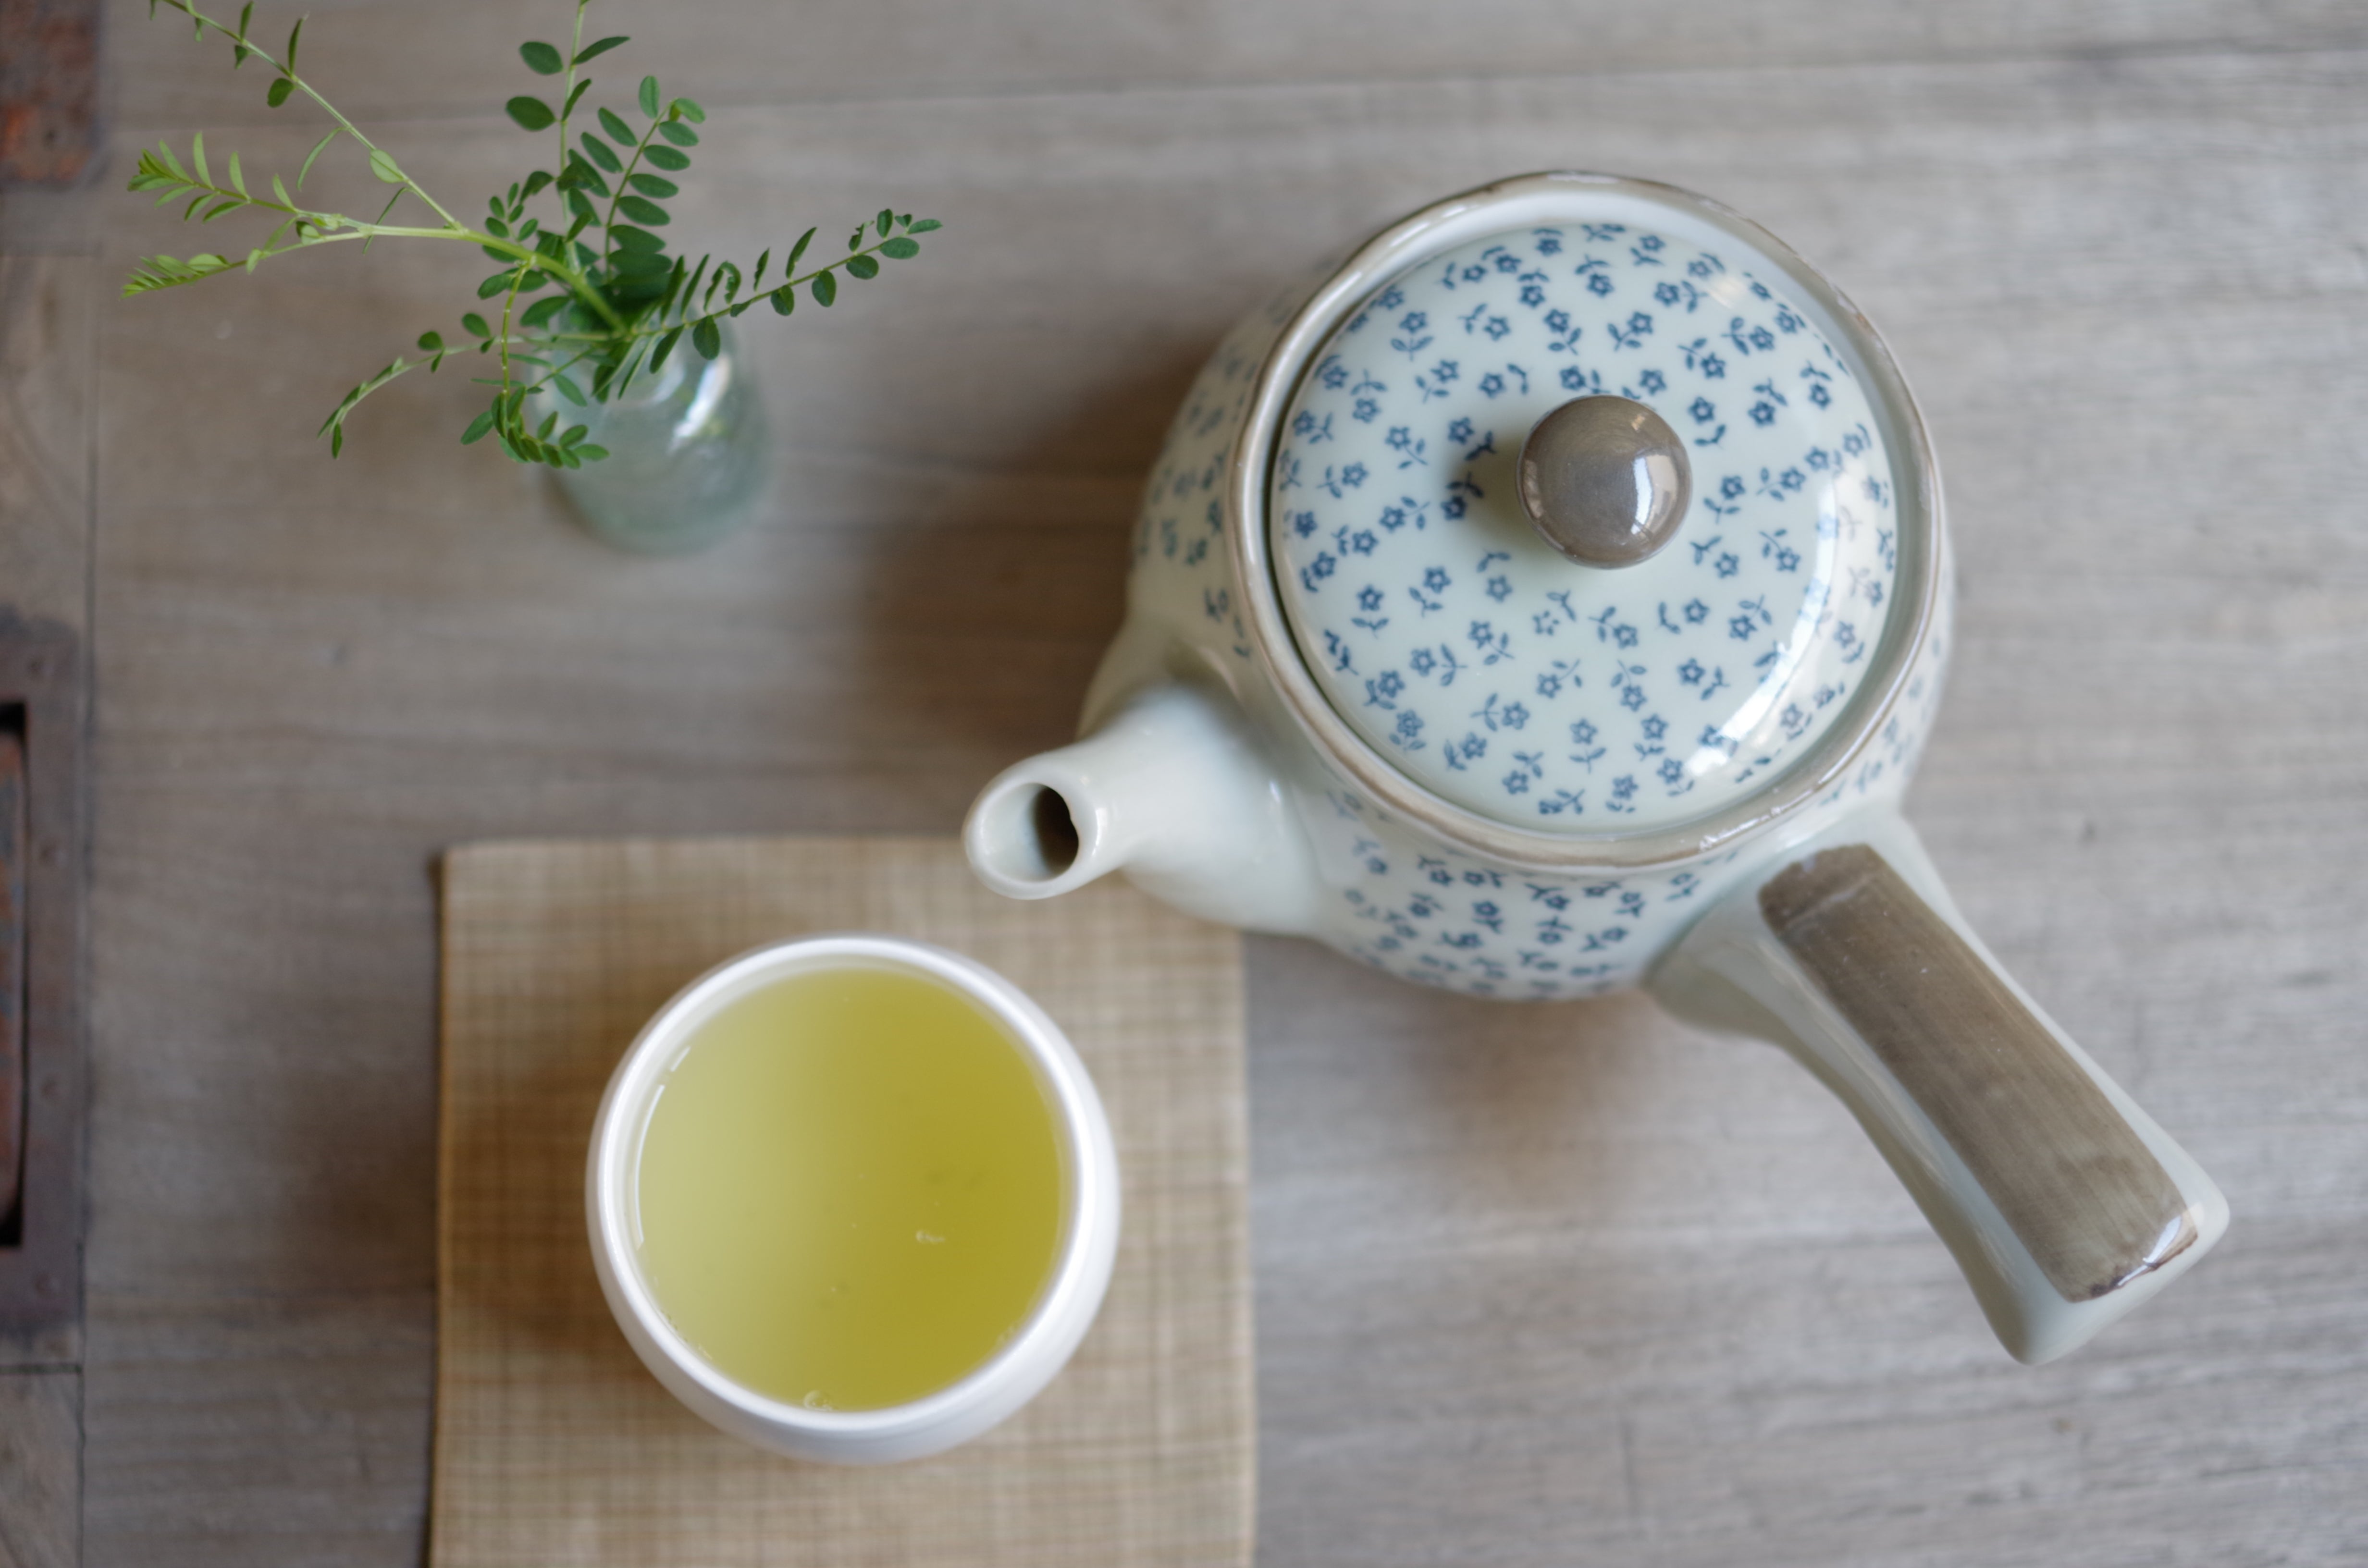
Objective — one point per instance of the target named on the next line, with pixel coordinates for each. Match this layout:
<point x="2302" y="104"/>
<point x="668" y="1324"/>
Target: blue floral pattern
<point x="1490" y="668"/>
<point x="1393" y="896"/>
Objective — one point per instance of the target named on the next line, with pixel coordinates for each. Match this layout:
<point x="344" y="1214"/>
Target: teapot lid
<point x="1586" y="526"/>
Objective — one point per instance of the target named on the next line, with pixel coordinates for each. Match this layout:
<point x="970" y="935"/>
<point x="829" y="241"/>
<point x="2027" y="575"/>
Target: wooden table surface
<point x="1536" y="1285"/>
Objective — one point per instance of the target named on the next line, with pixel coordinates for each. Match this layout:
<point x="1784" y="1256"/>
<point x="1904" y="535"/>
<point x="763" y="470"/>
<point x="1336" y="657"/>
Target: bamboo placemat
<point x="553" y="1446"/>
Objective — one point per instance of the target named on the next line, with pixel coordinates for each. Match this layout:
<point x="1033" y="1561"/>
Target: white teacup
<point x="1016" y="1372"/>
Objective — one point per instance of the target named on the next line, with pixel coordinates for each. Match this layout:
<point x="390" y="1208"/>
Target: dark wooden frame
<point x="41" y="688"/>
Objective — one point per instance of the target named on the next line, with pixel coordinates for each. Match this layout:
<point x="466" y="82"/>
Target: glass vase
<point x="687" y="459"/>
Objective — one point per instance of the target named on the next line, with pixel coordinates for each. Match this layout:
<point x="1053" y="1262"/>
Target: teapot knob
<point x="1605" y="481"/>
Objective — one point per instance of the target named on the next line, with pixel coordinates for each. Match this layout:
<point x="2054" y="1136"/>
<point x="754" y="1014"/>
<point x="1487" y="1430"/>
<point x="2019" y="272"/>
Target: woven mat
<point x="553" y="1446"/>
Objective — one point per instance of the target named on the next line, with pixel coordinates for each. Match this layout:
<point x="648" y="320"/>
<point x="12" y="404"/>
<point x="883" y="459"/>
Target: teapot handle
<point x="2064" y="1204"/>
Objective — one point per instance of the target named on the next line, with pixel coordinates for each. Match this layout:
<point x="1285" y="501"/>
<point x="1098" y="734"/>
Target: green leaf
<point x="796" y="251"/>
<point x="551" y="422"/>
<point x="825" y="289"/>
<point x="570" y="390"/>
<point x="315" y="153"/>
<point x="601" y="154"/>
<point x="706" y="338"/>
<point x="661" y="157"/>
<point x="432" y="342"/>
<point x="594" y="50"/>
<point x="219" y="208"/>
<point x="237" y="178"/>
<point x="862" y="266"/>
<point x="650" y="96"/>
<point x="477" y="429"/>
<point x="496" y="284"/>
<point x="756" y="279"/>
<point x="583" y="175"/>
<point x="531" y="113"/>
<point x="591" y="453"/>
<point x="543" y="310"/>
<point x="293" y="34"/>
<point x="574" y="434"/>
<point x="574" y="97"/>
<point x="239" y="51"/>
<point x="534" y="182"/>
<point x="678" y="133"/>
<point x="886" y="220"/>
<point x="629" y="238"/>
<point x="384" y="167"/>
<point x="541" y="59"/>
<point x="619" y="131"/>
<point x="923" y="226"/>
<point x="642" y="211"/>
<point x="476" y="324"/>
<point x="650" y="185"/>
<point x="277" y="93"/>
<point x="899" y="249"/>
<point x="665" y="347"/>
<point x="785" y="299"/>
<point x="687" y="110"/>
<point x="581" y="205"/>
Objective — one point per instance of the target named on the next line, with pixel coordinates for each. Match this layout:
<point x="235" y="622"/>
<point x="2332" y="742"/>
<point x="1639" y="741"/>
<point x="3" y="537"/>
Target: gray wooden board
<point x="40" y="1458"/>
<point x="1562" y="1285"/>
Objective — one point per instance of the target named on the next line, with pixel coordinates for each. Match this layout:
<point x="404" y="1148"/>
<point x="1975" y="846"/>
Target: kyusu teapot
<point x="1554" y="600"/>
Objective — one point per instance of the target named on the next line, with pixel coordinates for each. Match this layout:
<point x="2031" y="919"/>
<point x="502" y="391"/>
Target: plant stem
<point x="574" y="281"/>
<point x="624" y="183"/>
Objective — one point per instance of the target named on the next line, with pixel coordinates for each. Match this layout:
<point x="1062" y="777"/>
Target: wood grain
<point x="40" y="1458"/>
<point x="47" y="369"/>
<point x="1566" y="1285"/>
<point x="2073" y="1182"/>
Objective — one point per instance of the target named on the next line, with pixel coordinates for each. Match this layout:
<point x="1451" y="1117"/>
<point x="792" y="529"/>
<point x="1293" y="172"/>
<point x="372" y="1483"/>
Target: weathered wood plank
<point x="1535" y="1287"/>
<point x="46" y="370"/>
<point x="40" y="1462"/>
<point x="248" y="1429"/>
<point x="446" y="57"/>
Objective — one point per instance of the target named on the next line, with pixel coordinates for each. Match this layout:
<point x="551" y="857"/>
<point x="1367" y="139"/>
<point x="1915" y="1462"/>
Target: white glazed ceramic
<point x="1357" y="697"/>
<point x="953" y="1414"/>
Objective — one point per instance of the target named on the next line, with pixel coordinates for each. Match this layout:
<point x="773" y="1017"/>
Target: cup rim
<point x="1090" y="1195"/>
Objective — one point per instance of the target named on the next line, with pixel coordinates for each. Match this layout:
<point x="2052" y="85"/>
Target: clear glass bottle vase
<point x="687" y="461"/>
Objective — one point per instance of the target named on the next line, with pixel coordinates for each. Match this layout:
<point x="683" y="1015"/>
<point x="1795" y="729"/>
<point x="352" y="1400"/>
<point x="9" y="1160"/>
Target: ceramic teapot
<point x="1552" y="599"/>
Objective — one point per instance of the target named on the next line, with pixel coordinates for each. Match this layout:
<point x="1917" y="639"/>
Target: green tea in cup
<point x="852" y="1198"/>
<point x="849" y="1192"/>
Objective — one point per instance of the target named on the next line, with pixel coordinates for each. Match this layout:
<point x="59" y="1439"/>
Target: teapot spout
<point x="1174" y="790"/>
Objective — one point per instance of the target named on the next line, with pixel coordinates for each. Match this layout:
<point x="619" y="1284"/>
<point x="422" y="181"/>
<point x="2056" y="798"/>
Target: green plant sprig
<point x="619" y="309"/>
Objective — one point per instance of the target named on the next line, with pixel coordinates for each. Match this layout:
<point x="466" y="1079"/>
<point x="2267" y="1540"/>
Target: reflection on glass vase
<point x="686" y="463"/>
